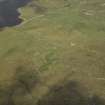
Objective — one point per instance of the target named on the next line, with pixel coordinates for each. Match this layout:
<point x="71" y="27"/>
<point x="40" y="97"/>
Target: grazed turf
<point x="65" y="42"/>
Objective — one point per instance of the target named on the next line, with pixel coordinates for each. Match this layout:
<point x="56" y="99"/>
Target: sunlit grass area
<point x="62" y="41"/>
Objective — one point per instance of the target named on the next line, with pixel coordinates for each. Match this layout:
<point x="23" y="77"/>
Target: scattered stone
<point x="72" y="44"/>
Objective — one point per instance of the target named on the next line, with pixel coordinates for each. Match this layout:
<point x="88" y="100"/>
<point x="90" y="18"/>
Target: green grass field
<point x="63" y="41"/>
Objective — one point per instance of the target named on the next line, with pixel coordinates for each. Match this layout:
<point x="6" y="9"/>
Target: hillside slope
<point x="62" y="41"/>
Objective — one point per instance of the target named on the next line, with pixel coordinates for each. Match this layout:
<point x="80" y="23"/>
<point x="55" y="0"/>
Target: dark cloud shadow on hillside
<point x="9" y="15"/>
<point x="24" y="81"/>
<point x="66" y="94"/>
<point x="70" y="94"/>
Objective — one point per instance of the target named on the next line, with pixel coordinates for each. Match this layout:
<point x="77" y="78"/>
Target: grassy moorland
<point x="58" y="41"/>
